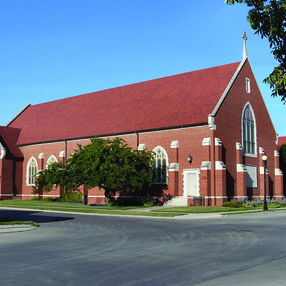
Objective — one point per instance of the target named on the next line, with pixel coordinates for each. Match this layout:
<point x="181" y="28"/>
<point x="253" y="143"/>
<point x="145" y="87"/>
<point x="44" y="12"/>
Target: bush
<point x="71" y="197"/>
<point x="49" y="199"/>
<point x="132" y="201"/>
<point x="36" y="199"/>
<point x="231" y="204"/>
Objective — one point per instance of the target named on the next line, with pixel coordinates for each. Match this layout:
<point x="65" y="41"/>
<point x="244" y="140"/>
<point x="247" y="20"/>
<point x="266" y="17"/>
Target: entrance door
<point x="191" y="184"/>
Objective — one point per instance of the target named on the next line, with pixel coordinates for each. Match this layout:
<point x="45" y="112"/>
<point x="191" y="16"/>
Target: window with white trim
<point x="248" y="131"/>
<point x="52" y="159"/>
<point x="251" y="176"/>
<point x="160" y="164"/>
<point x="247" y="85"/>
<point x="32" y="169"/>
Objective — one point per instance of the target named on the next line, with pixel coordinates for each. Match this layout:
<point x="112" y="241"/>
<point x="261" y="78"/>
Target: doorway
<point x="191" y="183"/>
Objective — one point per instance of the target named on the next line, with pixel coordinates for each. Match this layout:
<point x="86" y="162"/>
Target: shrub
<point x="36" y="199"/>
<point x="132" y="201"/>
<point x="49" y="199"/>
<point x="231" y="204"/>
<point x="150" y="203"/>
<point x="71" y="197"/>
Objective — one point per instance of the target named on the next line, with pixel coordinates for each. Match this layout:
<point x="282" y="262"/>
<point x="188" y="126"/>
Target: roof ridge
<point x="180" y="100"/>
<point x="223" y="96"/>
<point x="123" y="86"/>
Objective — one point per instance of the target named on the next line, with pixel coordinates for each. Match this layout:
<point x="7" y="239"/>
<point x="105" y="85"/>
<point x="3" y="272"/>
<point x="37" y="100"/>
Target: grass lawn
<point x="81" y="208"/>
<point x="124" y="210"/>
<point x="10" y="221"/>
<point x="188" y="210"/>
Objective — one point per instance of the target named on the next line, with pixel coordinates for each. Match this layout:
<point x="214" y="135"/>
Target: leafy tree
<point x="268" y="19"/>
<point x="109" y="164"/>
<point x="48" y="178"/>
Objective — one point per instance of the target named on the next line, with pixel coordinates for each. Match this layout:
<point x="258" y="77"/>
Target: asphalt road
<point x="72" y="249"/>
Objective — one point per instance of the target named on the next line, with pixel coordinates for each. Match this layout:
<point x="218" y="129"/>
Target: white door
<point x="191" y="184"/>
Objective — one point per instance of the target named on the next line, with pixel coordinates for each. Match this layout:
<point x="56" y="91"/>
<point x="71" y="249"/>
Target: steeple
<point x="245" y="53"/>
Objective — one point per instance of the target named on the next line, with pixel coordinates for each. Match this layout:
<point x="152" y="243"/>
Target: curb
<point x="16" y="228"/>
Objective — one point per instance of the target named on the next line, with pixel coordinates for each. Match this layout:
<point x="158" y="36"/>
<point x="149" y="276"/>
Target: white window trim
<point x="254" y="172"/>
<point x="247" y="85"/>
<point x="27" y="171"/>
<point x="3" y="151"/>
<point x="167" y="164"/>
<point x="50" y="159"/>
<point x="254" y="155"/>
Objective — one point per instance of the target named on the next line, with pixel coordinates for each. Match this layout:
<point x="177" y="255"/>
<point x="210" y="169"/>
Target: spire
<point x="245" y="53"/>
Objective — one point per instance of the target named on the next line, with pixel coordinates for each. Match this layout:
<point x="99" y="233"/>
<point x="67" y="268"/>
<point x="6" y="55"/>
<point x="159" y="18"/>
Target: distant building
<point x="209" y="129"/>
<point x="281" y="140"/>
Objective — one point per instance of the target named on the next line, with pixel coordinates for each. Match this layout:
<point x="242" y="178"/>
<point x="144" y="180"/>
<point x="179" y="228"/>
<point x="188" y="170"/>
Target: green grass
<point x="10" y="221"/>
<point x="188" y="210"/>
<point x="81" y="208"/>
<point x="128" y="210"/>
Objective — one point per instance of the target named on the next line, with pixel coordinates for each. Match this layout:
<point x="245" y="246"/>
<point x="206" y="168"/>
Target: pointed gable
<point x="180" y="100"/>
<point x="8" y="140"/>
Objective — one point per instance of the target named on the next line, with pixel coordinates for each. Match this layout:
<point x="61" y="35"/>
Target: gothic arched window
<point x="248" y="131"/>
<point x="52" y="159"/>
<point x="160" y="163"/>
<point x="32" y="169"/>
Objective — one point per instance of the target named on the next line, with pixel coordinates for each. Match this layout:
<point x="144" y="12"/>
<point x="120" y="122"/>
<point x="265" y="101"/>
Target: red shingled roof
<point x="179" y="100"/>
<point x="8" y="139"/>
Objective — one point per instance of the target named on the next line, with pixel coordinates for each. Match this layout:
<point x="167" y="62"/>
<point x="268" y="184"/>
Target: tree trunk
<point x="108" y="197"/>
<point x="107" y="193"/>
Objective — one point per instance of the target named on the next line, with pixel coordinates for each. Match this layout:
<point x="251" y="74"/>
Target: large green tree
<point x="109" y="164"/>
<point x="268" y="19"/>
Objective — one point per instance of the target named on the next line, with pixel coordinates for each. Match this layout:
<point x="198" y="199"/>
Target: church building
<point x="208" y="129"/>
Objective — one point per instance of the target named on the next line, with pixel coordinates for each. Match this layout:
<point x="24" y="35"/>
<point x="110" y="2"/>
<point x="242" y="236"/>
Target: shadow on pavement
<point x="35" y="216"/>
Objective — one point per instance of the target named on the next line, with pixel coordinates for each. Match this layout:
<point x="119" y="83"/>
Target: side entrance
<point x="191" y="183"/>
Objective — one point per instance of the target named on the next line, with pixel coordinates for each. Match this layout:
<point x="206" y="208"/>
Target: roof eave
<point x="18" y="114"/>
<point x="115" y="134"/>
<point x="219" y="103"/>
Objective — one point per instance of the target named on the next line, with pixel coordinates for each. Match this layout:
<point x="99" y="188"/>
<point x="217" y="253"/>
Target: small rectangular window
<point x="247" y="85"/>
<point x="251" y="175"/>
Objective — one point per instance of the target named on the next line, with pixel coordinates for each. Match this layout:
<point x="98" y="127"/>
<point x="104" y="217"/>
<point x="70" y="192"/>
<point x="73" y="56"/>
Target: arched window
<point x="160" y="163"/>
<point x="248" y="131"/>
<point x="32" y="169"/>
<point x="52" y="159"/>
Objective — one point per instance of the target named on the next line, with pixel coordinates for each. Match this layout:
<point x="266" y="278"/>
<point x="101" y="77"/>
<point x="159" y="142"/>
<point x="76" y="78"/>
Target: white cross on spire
<point x="245" y="53"/>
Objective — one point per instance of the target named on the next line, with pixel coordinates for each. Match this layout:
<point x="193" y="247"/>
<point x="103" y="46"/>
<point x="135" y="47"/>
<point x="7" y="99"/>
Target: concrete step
<point x="177" y="202"/>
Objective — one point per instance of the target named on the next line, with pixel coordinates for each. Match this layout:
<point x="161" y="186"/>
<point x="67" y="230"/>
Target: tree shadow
<point x="153" y="195"/>
<point x="35" y="216"/>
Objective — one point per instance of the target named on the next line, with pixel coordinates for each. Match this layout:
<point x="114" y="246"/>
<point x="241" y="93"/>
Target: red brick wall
<point x="6" y="179"/>
<point x="228" y="129"/>
<point x="228" y="123"/>
<point x="190" y="143"/>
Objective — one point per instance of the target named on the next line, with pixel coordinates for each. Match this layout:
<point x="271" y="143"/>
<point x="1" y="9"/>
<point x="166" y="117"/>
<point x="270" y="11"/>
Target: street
<point x="74" y="249"/>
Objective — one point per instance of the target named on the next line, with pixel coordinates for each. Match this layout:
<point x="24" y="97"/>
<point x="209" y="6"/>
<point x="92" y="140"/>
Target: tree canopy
<point x="268" y="19"/>
<point x="108" y="164"/>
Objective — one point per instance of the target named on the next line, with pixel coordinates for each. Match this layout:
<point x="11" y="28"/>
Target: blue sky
<point x="53" y="49"/>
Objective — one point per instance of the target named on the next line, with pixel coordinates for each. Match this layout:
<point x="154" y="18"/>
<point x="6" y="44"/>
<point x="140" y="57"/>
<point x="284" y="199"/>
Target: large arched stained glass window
<point x="248" y="131"/>
<point x="32" y="169"/>
<point x="160" y="163"/>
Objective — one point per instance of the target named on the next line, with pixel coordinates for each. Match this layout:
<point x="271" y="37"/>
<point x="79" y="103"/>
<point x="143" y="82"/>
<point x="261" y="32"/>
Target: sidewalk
<point x="187" y="216"/>
<point x="15" y="228"/>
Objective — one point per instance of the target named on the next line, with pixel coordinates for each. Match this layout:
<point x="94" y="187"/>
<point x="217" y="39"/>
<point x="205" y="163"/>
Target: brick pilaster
<point x="241" y="187"/>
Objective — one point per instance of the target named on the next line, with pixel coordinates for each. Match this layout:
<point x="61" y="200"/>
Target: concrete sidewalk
<point x="15" y="228"/>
